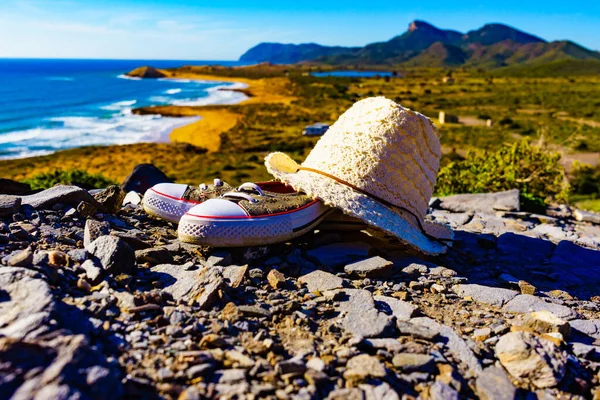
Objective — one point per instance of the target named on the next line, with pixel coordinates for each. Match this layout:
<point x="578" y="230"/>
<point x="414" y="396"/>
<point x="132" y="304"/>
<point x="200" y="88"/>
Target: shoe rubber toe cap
<point x="220" y="208"/>
<point x="175" y="190"/>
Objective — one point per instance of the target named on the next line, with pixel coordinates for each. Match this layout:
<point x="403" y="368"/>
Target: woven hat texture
<point x="384" y="149"/>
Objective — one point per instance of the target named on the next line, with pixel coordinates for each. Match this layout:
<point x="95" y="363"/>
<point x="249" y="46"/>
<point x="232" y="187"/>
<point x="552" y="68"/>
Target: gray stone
<point x="254" y="312"/>
<point x="374" y="267"/>
<point x="292" y="366"/>
<point x="20" y="258"/>
<point x="68" y="195"/>
<point x="415" y="269"/>
<point x="9" y="205"/>
<point x="485" y="294"/>
<point x="487" y="203"/>
<point x="589" y="328"/>
<point x="93" y="271"/>
<point x="337" y="254"/>
<point x="346" y="394"/>
<point x="361" y="317"/>
<point x="364" y="366"/>
<point x="493" y="384"/>
<point x="26" y="311"/>
<point x="411" y="362"/>
<point x="196" y="371"/>
<point x="531" y="359"/>
<point x="232" y="375"/>
<point x="402" y="310"/>
<point x="114" y="254"/>
<point x="320" y="281"/>
<point x="388" y="344"/>
<point x="587" y="216"/>
<point x="525" y="303"/>
<point x="153" y="256"/>
<point x="93" y="230"/>
<point x="442" y="391"/>
<point x="417" y="331"/>
<point x="180" y="283"/>
<point x="455" y="344"/>
<point x="143" y="177"/>
<point x="78" y="255"/>
<point x="383" y="391"/>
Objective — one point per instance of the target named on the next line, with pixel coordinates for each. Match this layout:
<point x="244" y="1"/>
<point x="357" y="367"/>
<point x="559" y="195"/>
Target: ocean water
<point x="49" y="105"/>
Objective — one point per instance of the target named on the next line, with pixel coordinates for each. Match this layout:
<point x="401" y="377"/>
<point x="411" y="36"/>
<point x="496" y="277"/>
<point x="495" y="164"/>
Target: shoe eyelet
<point x="254" y="201"/>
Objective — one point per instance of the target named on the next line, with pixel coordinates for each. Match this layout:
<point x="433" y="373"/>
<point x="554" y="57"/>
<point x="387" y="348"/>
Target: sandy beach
<point x="217" y="119"/>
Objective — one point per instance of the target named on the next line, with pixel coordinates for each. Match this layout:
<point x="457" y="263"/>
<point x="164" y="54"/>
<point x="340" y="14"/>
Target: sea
<point x="48" y="105"/>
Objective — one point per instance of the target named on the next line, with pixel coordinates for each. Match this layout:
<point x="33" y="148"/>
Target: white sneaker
<point x="252" y="215"/>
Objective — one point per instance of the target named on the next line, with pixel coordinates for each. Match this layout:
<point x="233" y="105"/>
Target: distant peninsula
<point x="424" y="45"/>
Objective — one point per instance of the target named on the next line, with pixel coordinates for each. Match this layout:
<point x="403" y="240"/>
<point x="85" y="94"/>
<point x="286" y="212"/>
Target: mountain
<point x="290" y="53"/>
<point x="491" y="46"/>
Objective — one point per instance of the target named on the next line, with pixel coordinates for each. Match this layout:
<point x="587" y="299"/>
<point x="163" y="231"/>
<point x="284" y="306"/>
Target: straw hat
<point x="379" y="163"/>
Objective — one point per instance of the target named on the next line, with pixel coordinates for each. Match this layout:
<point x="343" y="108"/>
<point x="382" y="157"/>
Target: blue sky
<point x="223" y="30"/>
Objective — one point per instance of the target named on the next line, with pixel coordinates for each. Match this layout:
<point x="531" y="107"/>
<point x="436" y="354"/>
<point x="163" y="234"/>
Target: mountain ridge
<point x="422" y="44"/>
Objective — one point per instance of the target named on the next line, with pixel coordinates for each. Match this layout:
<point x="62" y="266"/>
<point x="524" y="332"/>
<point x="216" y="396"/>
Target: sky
<point x="223" y="30"/>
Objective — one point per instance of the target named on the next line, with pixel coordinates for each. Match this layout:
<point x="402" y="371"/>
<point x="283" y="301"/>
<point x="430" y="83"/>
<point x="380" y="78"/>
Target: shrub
<point x="69" y="177"/>
<point x="533" y="170"/>
<point x="585" y="179"/>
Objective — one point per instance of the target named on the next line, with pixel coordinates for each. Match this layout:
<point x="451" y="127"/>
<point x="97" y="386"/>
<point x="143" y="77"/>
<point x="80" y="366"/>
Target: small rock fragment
<point x="546" y="322"/>
<point x="58" y="258"/>
<point x="111" y="198"/>
<point x="526" y="287"/>
<point x="20" y="258"/>
<point x="9" y="205"/>
<point x="93" y="230"/>
<point x="93" y="272"/>
<point x="114" y="254"/>
<point x="485" y="294"/>
<point x="276" y="279"/>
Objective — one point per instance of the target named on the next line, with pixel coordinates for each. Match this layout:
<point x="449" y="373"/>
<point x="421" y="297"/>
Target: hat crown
<point x="384" y="149"/>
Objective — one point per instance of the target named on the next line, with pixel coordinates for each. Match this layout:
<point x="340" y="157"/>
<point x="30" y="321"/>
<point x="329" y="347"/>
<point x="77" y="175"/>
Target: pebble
<point x="410" y="362"/>
<point x="363" y="366"/>
<point x="531" y="359"/>
<point x="20" y="258"/>
<point x="546" y="322"/>
<point x="524" y="303"/>
<point x="93" y="230"/>
<point x="9" y="204"/>
<point x="276" y="279"/>
<point x="93" y="271"/>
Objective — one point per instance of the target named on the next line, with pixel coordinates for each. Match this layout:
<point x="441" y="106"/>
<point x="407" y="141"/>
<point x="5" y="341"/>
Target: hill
<point x="290" y="53"/>
<point x="424" y="45"/>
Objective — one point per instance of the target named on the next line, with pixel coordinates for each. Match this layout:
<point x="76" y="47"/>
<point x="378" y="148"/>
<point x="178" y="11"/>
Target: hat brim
<point x="357" y="205"/>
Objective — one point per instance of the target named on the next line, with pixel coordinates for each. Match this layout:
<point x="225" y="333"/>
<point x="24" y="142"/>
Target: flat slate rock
<point x="178" y="282"/>
<point x="361" y="317"/>
<point x="485" y="294"/>
<point x="402" y="310"/>
<point x="374" y="267"/>
<point x="525" y="303"/>
<point x="494" y="384"/>
<point x="69" y="195"/>
<point x="487" y="203"/>
<point x="321" y="281"/>
<point x="455" y="344"/>
<point x="588" y="327"/>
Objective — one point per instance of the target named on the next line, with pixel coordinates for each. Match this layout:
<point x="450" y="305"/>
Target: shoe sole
<point x="166" y="207"/>
<point x="251" y="231"/>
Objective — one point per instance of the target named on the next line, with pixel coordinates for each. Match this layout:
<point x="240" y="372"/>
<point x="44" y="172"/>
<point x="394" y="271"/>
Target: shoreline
<point x="214" y="118"/>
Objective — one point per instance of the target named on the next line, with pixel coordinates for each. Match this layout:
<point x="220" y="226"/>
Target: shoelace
<point x="248" y="186"/>
<point x="217" y="183"/>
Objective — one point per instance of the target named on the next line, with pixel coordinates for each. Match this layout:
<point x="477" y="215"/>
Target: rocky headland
<point x="101" y="301"/>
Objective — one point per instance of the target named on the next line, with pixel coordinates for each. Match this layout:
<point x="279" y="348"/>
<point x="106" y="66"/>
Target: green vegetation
<point x="69" y="177"/>
<point x="533" y="170"/>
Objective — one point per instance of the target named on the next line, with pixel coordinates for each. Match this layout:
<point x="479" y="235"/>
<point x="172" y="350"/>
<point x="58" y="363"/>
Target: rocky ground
<point x="98" y="300"/>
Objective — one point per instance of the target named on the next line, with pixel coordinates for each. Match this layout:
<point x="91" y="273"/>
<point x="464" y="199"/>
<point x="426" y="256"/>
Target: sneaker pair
<point x="252" y="214"/>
